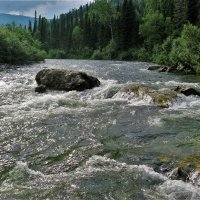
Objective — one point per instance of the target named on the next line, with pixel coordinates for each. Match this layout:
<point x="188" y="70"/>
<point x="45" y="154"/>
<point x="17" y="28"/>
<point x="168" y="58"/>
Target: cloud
<point x="45" y="8"/>
<point x="14" y="13"/>
<point x="51" y="8"/>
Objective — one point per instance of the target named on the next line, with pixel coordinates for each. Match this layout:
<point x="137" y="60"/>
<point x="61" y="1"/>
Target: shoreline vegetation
<point x="163" y="32"/>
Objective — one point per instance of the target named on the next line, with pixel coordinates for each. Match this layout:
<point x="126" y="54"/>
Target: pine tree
<point x="129" y="27"/>
<point x="180" y="13"/>
<point x="30" y="26"/>
<point x="193" y="11"/>
<point x="35" y="23"/>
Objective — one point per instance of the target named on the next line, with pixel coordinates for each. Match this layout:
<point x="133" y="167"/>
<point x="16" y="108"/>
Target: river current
<point x="97" y="144"/>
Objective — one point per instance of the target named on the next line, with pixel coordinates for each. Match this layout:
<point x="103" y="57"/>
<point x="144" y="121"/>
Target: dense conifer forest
<point x="161" y="31"/>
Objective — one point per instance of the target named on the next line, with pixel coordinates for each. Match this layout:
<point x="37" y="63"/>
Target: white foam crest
<point x="100" y="163"/>
<point x="155" y="121"/>
<point x="116" y="65"/>
<point x="106" y="88"/>
<point x="132" y="99"/>
<point x="175" y="189"/>
<point x="22" y="166"/>
<point x="4" y="86"/>
<point x="175" y="83"/>
<point x="185" y="102"/>
<point x="195" y="178"/>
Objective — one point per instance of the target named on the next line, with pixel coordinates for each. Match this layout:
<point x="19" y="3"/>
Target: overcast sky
<point x="45" y="8"/>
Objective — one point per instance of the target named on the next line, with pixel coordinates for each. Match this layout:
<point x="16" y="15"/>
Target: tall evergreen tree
<point x="129" y="27"/>
<point x="180" y="13"/>
<point x="193" y="11"/>
<point x="30" y="26"/>
<point x="35" y="23"/>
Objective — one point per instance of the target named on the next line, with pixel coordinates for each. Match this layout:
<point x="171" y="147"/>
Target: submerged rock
<point x="137" y="89"/>
<point x="67" y="80"/>
<point x="111" y="92"/>
<point x="187" y="91"/>
<point x="163" y="98"/>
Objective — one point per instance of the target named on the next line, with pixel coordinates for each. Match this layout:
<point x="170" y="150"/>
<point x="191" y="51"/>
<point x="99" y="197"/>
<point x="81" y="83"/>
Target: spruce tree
<point x="180" y="13"/>
<point x="129" y="28"/>
<point x="35" y="23"/>
<point x="30" y="26"/>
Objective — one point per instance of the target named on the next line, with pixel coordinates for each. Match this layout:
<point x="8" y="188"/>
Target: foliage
<point x="125" y="55"/>
<point x="162" y="31"/>
<point x="106" y="12"/>
<point x="17" y="46"/>
<point x="140" y="54"/>
<point x="152" y="29"/>
<point x="109" y="52"/>
<point x="186" y="49"/>
<point x="128" y="25"/>
<point x="77" y="36"/>
<point x="161" y="54"/>
<point x="56" y="54"/>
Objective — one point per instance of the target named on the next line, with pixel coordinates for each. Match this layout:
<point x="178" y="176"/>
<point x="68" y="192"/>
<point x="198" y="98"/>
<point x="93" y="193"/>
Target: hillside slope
<point x="17" y="19"/>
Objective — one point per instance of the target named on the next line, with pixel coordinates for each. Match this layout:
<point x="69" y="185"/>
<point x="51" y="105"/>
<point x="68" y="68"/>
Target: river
<point x="88" y="145"/>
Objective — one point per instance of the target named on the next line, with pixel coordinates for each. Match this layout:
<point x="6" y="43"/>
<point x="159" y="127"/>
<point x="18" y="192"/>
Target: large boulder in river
<point x="66" y="80"/>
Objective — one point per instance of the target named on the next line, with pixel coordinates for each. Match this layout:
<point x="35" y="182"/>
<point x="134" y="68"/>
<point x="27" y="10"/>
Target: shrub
<point x="125" y="55"/>
<point x="17" y="46"/>
<point x="140" y="54"/>
<point x="185" y="50"/>
<point x="97" y="55"/>
<point x="56" y="54"/>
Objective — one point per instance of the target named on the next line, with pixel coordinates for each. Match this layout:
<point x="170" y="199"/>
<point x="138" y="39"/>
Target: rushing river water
<point x="93" y="145"/>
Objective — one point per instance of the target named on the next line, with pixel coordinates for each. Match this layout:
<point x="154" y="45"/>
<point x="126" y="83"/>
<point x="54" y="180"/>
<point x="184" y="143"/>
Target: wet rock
<point x="173" y="69"/>
<point x="181" y="173"/>
<point x="66" y="80"/>
<point x="177" y="174"/>
<point x="111" y="92"/>
<point x="154" y="68"/>
<point x="163" y="98"/>
<point x="41" y="89"/>
<point x="185" y="69"/>
<point x="187" y="91"/>
<point x="162" y="68"/>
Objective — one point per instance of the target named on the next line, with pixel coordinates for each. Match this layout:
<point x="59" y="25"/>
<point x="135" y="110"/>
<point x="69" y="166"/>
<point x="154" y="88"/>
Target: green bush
<point x="125" y="55"/>
<point x="56" y="54"/>
<point x="97" y="55"/>
<point x="185" y="50"/>
<point x="161" y="54"/>
<point x="17" y="46"/>
<point x="140" y="54"/>
<point x="107" y="53"/>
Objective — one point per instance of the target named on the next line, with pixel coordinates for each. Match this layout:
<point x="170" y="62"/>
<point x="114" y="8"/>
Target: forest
<point x="161" y="31"/>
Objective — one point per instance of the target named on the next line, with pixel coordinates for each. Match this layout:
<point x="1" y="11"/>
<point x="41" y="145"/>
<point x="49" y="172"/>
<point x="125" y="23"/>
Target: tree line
<point x="161" y="31"/>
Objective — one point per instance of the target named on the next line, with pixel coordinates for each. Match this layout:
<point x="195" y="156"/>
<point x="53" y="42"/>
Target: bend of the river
<point x="85" y="145"/>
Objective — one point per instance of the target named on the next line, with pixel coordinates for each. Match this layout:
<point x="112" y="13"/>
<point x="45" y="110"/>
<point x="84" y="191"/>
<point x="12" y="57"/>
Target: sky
<point x="45" y="8"/>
